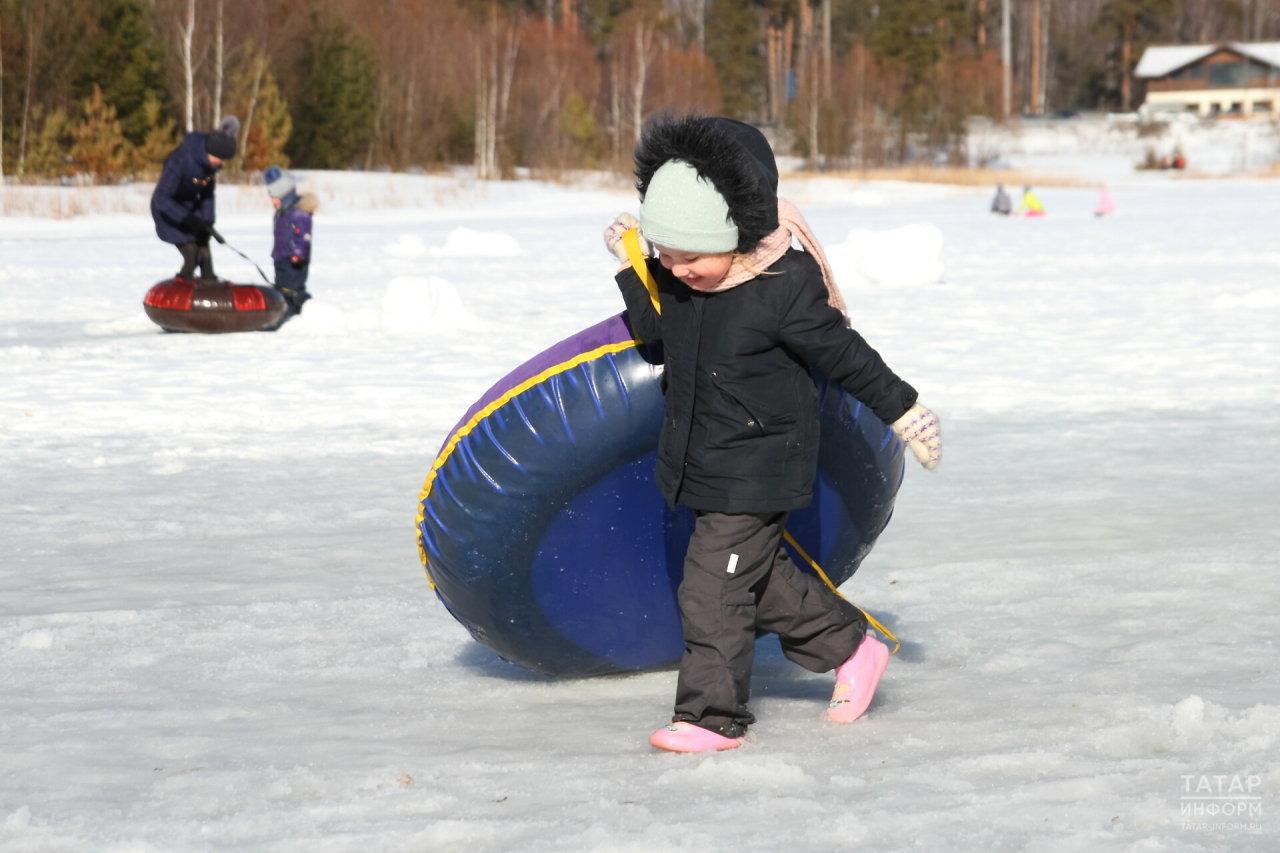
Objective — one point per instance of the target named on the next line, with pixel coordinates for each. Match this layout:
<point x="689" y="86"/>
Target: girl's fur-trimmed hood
<point x="733" y="156"/>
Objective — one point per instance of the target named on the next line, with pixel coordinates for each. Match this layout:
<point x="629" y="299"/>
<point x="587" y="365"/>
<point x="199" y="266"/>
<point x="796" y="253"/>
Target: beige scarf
<point x="767" y="252"/>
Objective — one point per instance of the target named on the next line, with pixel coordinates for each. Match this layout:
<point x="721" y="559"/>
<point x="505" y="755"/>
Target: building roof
<point x="1159" y="60"/>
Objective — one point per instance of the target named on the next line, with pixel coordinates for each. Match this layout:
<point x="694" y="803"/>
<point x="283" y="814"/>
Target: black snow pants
<point x="193" y="254"/>
<point x="738" y="579"/>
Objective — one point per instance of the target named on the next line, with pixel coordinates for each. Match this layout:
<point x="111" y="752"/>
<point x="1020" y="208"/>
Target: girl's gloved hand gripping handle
<point x="622" y="223"/>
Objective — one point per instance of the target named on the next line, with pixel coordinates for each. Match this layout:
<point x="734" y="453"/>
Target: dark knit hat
<point x="220" y="144"/>
<point x="734" y="157"/>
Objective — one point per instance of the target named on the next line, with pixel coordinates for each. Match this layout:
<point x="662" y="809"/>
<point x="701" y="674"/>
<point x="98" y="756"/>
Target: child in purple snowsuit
<point x="292" y="251"/>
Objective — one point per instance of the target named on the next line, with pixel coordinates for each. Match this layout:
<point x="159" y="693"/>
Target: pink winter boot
<point x="686" y="737"/>
<point x="856" y="681"/>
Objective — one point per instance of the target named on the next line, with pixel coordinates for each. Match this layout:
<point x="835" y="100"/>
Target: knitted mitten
<point x="621" y="224"/>
<point x="919" y="429"/>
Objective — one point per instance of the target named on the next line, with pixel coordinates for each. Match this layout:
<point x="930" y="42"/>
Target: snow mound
<point x="319" y="317"/>
<point x="35" y="640"/>
<point x="906" y="256"/>
<point x="467" y="242"/>
<point x="414" y="304"/>
<point x="1145" y="732"/>
<point x="20" y="819"/>
<point x="409" y="246"/>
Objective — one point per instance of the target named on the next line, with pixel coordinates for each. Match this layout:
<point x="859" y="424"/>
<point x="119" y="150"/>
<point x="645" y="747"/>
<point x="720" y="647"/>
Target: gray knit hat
<point x="683" y="211"/>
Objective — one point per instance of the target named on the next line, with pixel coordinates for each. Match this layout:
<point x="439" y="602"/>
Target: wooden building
<point x="1230" y="79"/>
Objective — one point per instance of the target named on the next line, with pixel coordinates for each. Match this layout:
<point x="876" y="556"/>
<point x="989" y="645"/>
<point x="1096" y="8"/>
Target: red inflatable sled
<point x="210" y="306"/>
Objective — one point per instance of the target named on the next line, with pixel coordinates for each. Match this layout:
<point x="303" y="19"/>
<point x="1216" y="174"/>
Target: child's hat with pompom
<point x="221" y="143"/>
<point x="280" y="184"/>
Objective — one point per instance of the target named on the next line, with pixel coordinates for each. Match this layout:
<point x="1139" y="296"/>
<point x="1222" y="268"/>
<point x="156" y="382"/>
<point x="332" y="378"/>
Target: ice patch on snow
<point x="906" y="256"/>
<point x="414" y="304"/>
<point x="467" y="242"/>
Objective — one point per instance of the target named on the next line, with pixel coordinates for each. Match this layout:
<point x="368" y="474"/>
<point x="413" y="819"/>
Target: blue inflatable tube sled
<point x="543" y="533"/>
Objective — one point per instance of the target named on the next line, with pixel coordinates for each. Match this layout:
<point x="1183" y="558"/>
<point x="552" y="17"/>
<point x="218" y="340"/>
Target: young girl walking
<point x="742" y="316"/>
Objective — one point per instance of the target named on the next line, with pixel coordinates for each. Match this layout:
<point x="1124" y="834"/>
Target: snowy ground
<point x="215" y="634"/>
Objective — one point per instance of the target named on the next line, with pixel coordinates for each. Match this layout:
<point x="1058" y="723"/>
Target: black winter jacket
<point x="185" y="187"/>
<point x="741" y="427"/>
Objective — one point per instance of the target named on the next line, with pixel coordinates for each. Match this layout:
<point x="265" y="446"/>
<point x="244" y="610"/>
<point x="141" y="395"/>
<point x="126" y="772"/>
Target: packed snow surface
<point x="215" y="633"/>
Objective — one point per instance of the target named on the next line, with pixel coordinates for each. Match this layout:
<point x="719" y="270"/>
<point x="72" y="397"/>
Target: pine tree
<point x="1128" y="25"/>
<point x="100" y="146"/>
<point x="911" y="38"/>
<point x="161" y="138"/>
<point x="125" y="63"/>
<point x="578" y="126"/>
<point x="334" y="108"/>
<point x="48" y="149"/>
<point x="733" y="44"/>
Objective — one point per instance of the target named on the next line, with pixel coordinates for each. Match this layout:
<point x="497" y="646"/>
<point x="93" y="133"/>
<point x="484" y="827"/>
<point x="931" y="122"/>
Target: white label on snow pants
<point x="733" y="563"/>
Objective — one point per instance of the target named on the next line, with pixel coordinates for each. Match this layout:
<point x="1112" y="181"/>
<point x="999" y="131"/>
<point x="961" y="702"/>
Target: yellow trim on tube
<point x="875" y="623"/>
<point x="479" y="416"/>
<point x="631" y="241"/>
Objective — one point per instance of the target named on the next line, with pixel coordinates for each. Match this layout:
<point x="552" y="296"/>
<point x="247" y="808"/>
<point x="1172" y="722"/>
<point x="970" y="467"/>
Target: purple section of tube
<point x="612" y="331"/>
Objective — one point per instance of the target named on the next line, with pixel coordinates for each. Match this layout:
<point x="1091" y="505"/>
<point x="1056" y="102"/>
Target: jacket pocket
<point x="753" y="440"/>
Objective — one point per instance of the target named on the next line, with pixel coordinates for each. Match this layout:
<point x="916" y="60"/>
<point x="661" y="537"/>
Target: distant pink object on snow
<point x="1106" y="206"/>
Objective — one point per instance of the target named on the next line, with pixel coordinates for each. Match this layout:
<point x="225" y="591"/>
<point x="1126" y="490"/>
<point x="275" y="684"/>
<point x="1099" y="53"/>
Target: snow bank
<point x="1098" y="149"/>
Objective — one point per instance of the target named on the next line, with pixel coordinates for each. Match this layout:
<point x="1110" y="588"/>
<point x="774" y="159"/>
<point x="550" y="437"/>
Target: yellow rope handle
<point x="631" y="242"/>
<point x="875" y="623"/>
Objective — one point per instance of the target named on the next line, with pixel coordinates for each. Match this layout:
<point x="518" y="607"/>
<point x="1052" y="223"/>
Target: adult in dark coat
<point x="182" y="204"/>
